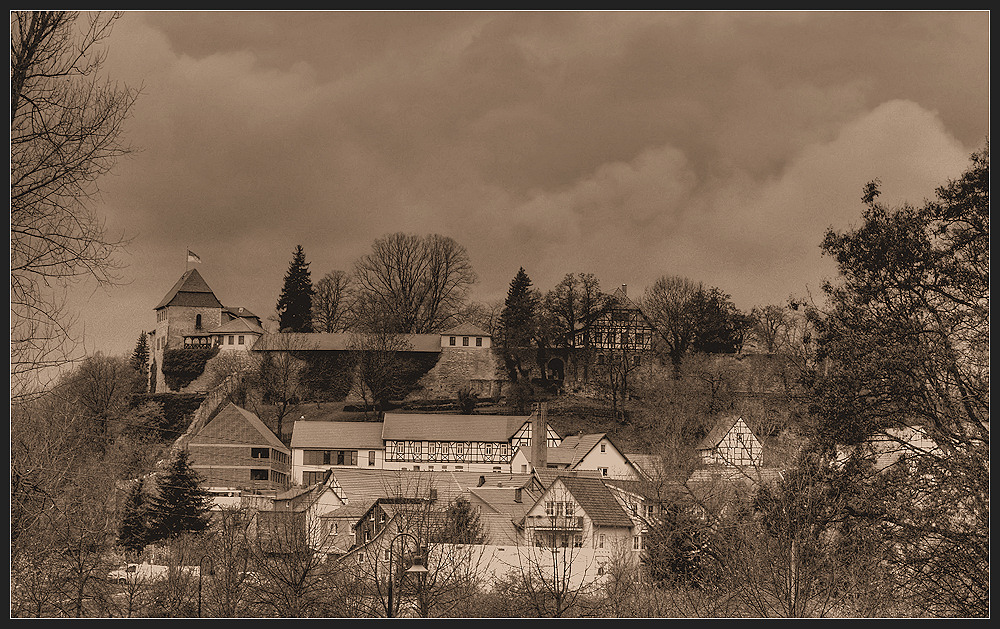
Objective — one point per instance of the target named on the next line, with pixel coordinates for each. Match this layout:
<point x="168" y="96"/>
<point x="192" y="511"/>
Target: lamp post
<point x="201" y="573"/>
<point x="416" y="568"/>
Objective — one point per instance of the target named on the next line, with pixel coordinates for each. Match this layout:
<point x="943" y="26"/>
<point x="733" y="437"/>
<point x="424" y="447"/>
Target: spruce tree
<point x="140" y="362"/>
<point x="134" y="530"/>
<point x="517" y="326"/>
<point x="295" y="302"/>
<point x="181" y="506"/>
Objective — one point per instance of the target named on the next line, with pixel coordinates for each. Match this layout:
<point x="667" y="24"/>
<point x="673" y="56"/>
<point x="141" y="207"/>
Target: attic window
<point x="197" y="322"/>
<point x="604" y="447"/>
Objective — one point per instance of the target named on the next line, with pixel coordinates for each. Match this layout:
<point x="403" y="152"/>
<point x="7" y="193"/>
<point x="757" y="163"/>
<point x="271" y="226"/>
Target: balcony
<point x="550" y="523"/>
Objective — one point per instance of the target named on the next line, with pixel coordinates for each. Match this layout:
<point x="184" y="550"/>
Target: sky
<point x="718" y="146"/>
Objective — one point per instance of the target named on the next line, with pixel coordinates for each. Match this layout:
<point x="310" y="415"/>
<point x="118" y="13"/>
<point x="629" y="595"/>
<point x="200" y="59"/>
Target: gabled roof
<point x="210" y="432"/>
<point x="596" y="500"/>
<point x="573" y="449"/>
<point x="720" y="430"/>
<point x="316" y="434"/>
<point x="465" y="329"/>
<point x="240" y="311"/>
<point x="190" y="290"/>
<point x="440" y="427"/>
<point x="546" y="477"/>
<point x="339" y="341"/>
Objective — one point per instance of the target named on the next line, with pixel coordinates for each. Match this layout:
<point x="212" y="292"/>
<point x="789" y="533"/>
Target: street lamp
<point x="418" y="566"/>
<point x="201" y="572"/>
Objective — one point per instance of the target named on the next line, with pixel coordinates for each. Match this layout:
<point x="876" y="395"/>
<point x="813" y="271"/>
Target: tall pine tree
<point x="134" y="530"/>
<point x="181" y="506"/>
<point x="295" y="302"/>
<point x="517" y="326"/>
<point x="140" y="362"/>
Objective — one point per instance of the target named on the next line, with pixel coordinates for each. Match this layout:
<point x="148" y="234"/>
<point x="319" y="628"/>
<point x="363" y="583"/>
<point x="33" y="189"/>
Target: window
<point x="387" y="554"/>
<point x="371" y="458"/>
<point x="229" y="339"/>
<point x="600" y="541"/>
<point x="636" y="543"/>
<point x="496" y="469"/>
<point x="197" y="322"/>
<point x="416" y="468"/>
<point x="260" y="453"/>
<point x="241" y="339"/>
<point x="451" y="340"/>
<point x="259" y="475"/>
<point x="578" y="541"/>
<point x="603" y="471"/>
<point x="311" y="478"/>
<point x="465" y="341"/>
<point x="479" y="341"/>
<point x="524" y="469"/>
<point x="604" y="447"/>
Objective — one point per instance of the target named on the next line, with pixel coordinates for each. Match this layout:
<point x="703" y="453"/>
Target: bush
<point x="467" y="400"/>
<point x="182" y="366"/>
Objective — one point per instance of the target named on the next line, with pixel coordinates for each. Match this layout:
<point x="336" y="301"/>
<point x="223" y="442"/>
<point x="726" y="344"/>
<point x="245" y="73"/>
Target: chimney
<point x="539" y="437"/>
<point x="625" y="289"/>
<point x="482" y="481"/>
<point x="517" y="494"/>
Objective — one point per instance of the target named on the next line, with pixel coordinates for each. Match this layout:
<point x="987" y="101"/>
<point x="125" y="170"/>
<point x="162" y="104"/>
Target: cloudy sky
<point x="713" y="145"/>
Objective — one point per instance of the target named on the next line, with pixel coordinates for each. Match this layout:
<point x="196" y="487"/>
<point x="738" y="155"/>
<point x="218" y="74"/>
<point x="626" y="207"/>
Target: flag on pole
<point x="193" y="257"/>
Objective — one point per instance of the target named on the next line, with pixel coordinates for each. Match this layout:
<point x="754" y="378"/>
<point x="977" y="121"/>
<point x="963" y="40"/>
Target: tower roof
<point x="190" y="290"/>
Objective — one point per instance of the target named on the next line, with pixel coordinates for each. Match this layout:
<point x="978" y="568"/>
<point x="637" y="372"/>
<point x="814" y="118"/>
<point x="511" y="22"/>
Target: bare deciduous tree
<point x="66" y="129"/>
<point x="411" y="284"/>
<point x="331" y="303"/>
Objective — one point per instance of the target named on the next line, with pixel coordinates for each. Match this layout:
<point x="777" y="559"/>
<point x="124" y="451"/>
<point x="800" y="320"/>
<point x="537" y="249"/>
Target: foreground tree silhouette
<point x="181" y="505"/>
<point x="906" y="348"/>
<point x="295" y="302"/>
<point x="66" y="125"/>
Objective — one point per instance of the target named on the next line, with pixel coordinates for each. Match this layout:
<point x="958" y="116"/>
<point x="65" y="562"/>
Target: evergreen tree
<point x="134" y="530"/>
<point x="295" y="302"/>
<point x="181" y="506"/>
<point x="517" y="326"/>
<point x="462" y="524"/>
<point x="140" y="362"/>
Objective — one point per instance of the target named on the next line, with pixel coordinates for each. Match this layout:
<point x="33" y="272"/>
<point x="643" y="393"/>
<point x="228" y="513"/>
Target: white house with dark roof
<point x="414" y="441"/>
<point x="319" y="446"/>
<point x="731" y="443"/>
<point x="595" y="452"/>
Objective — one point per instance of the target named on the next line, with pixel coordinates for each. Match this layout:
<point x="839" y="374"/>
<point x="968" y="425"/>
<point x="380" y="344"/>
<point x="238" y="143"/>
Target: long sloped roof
<point x="441" y="427"/>
<point x="208" y="434"/>
<point x="363" y="484"/>
<point x="190" y="290"/>
<point x="339" y="341"/>
<point x="317" y="434"/>
<point x="596" y="500"/>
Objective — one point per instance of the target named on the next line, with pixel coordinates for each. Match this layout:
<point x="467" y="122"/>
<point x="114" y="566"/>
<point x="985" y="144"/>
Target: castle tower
<point x="189" y="307"/>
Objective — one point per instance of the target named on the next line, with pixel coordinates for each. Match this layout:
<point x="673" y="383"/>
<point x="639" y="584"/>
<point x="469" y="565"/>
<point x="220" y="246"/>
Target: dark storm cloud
<point x="714" y="145"/>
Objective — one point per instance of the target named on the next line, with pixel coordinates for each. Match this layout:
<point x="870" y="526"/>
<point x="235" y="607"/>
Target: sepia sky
<point x="714" y="145"/>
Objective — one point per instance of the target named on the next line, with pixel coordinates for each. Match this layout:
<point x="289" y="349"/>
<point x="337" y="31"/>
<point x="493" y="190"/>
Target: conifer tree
<point x="295" y="302"/>
<point x="140" y="362"/>
<point x="134" y="530"/>
<point x="517" y="326"/>
<point x="181" y="506"/>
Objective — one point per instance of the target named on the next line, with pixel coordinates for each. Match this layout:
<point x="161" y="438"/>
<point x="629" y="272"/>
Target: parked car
<point x="133" y="572"/>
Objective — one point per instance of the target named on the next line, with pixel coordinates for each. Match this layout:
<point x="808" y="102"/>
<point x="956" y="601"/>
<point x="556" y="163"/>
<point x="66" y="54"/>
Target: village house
<point x="415" y="441"/>
<point x="236" y="451"/>
<point x="582" y="452"/>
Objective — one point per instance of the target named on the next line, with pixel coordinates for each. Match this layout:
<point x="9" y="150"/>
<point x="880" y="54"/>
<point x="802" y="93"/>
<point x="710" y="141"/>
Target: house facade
<point x="414" y="442"/>
<point x="731" y="443"/>
<point x="236" y="450"/>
